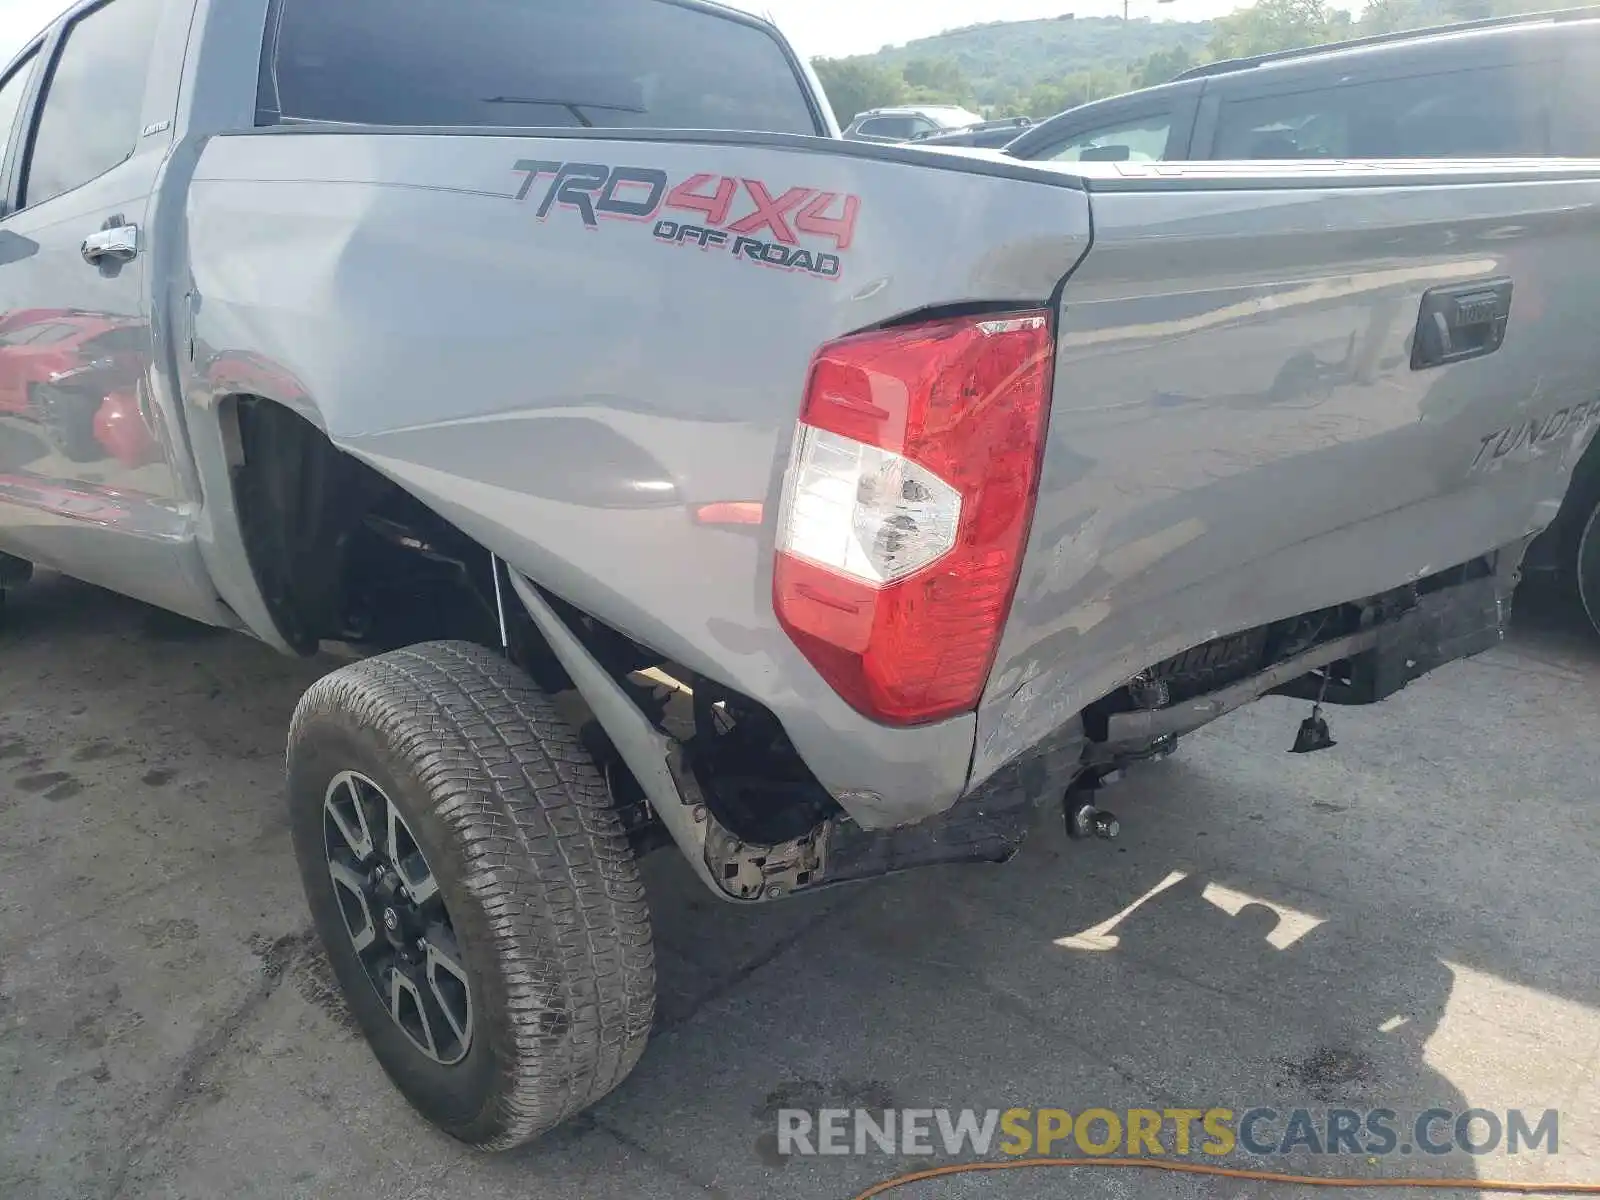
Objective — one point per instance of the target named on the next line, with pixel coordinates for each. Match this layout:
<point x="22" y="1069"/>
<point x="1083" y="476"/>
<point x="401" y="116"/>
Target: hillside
<point x="1036" y="68"/>
<point x="1005" y="68"/>
<point x="1003" y="59"/>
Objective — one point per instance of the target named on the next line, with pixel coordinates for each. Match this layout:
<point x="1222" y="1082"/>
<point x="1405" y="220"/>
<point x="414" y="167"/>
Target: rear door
<point x="84" y="455"/>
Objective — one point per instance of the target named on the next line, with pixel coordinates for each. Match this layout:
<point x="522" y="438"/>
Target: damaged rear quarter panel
<point x="571" y="388"/>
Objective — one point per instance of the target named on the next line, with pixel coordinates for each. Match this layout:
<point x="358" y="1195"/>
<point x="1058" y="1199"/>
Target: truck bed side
<point x="1238" y="435"/>
<point x="572" y="388"/>
<point x="582" y="349"/>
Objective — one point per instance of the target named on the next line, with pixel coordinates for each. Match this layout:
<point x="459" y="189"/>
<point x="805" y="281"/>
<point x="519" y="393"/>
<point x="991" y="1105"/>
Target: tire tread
<point x="545" y="859"/>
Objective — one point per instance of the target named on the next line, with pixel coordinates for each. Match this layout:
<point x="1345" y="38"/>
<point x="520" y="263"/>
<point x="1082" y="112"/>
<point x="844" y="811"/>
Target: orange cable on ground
<point x="1188" y="1168"/>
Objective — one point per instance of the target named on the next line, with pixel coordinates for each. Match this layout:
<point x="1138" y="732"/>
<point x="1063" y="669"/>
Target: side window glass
<point x="11" y="93"/>
<point x="1139" y="139"/>
<point x="1460" y="114"/>
<point x="890" y="127"/>
<point x="89" y="121"/>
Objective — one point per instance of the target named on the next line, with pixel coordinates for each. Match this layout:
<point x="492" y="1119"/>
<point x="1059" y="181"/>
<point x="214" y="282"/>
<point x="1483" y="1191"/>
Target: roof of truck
<point x="1230" y="65"/>
<point x="916" y="110"/>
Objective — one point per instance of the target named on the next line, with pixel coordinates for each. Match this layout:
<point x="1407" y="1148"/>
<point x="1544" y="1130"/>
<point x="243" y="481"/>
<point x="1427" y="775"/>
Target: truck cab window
<point x="892" y="127"/>
<point x="11" y="93"/>
<point x="90" y="118"/>
<point x="1140" y="139"/>
<point x="1485" y="112"/>
<point x="617" y="64"/>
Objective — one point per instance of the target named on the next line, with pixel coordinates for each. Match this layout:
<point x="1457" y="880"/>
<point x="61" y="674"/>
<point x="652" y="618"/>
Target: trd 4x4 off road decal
<point x="740" y="216"/>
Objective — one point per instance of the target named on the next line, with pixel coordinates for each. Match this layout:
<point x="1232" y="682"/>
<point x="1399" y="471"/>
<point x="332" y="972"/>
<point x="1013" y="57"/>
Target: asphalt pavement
<point x="1405" y="921"/>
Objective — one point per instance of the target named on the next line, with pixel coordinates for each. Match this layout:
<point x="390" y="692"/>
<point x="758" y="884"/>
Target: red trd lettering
<point x="687" y="196"/>
<point x="813" y="219"/>
<point x="770" y="213"/>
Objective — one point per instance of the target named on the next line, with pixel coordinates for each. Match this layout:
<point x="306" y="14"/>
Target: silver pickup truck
<point x="819" y="507"/>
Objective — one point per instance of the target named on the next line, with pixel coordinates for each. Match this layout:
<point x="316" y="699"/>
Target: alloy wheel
<point x="396" y="917"/>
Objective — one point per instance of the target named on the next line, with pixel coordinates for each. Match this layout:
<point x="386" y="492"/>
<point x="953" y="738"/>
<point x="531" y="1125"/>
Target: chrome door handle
<point x="120" y="244"/>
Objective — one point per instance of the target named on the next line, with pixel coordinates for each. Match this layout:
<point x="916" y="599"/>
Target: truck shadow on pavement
<point x="1404" y="922"/>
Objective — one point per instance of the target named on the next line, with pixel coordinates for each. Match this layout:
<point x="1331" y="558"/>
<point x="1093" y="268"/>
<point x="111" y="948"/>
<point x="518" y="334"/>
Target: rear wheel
<point x="1589" y="567"/>
<point x="473" y="888"/>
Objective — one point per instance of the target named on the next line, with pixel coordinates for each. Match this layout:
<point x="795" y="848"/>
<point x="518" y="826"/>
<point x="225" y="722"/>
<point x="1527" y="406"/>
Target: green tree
<point x="1390" y="16"/>
<point x="939" y="76"/>
<point x="1278" y="25"/>
<point x="1048" y="99"/>
<point x="1162" y="66"/>
<point x="854" y="85"/>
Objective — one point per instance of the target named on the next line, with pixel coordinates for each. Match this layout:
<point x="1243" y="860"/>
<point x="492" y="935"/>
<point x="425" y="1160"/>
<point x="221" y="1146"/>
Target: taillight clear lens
<point x="906" y="506"/>
<point x="862" y="510"/>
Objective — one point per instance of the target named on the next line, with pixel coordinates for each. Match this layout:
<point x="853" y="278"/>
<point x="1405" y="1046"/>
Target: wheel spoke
<point x="394" y="912"/>
<point x="410" y="1012"/>
<point x="352" y="898"/>
<point x="343" y="805"/>
<point x="406" y="856"/>
<point x="447" y="979"/>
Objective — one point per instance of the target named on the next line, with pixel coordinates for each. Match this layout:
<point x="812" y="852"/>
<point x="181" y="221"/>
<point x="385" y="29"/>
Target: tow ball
<point x="1085" y="819"/>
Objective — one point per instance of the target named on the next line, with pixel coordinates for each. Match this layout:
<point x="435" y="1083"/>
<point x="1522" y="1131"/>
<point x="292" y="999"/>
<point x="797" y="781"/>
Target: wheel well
<point x="343" y="554"/>
<point x="1583" y="495"/>
<point x="1584" y="492"/>
<point x="289" y="481"/>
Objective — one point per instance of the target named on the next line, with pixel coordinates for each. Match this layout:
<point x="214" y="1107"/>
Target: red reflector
<point x="729" y="512"/>
<point x="895" y="571"/>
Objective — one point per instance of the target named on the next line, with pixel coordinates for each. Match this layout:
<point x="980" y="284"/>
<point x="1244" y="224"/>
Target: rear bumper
<point x="1400" y="637"/>
<point x="1457" y="614"/>
<point x="1454" y="622"/>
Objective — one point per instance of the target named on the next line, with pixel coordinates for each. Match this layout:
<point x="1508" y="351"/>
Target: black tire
<point x="516" y="826"/>
<point x="1588" y="567"/>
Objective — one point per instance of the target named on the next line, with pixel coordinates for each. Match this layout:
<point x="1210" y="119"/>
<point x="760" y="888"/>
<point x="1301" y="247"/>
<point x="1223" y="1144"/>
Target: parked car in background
<point x="1506" y="87"/>
<point x="903" y="123"/>
<point x="986" y="135"/>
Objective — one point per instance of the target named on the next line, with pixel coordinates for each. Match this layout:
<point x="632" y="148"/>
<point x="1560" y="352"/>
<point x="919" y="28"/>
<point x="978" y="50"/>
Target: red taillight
<point x="906" y="506"/>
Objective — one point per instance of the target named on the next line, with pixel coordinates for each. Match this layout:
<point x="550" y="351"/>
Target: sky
<point x="832" y="27"/>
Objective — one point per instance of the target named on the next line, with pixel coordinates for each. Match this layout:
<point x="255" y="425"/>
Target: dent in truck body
<point x="576" y="448"/>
